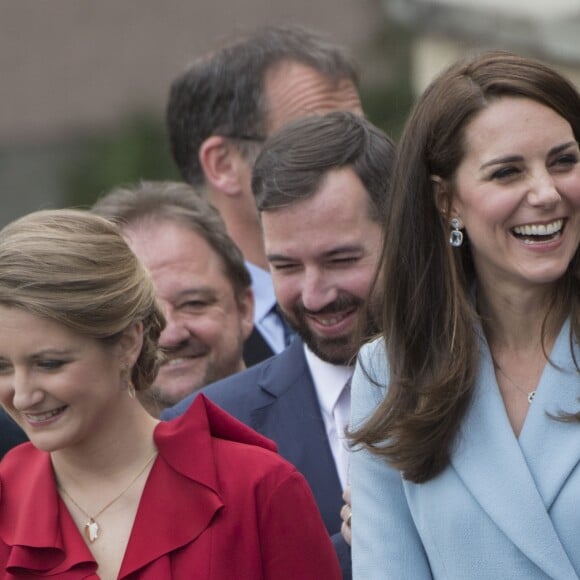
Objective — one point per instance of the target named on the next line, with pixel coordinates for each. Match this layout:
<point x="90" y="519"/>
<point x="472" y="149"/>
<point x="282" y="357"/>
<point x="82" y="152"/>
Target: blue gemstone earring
<point x="456" y="237"/>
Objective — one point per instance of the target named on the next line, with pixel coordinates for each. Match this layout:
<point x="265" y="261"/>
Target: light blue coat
<point x="504" y="508"/>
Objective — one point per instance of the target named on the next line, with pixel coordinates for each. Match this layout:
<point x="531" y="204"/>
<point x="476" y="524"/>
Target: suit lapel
<point x="506" y="490"/>
<point x="256" y="349"/>
<point x="292" y="418"/>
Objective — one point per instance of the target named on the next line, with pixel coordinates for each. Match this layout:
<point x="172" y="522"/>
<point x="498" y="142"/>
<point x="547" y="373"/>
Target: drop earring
<point x="456" y="236"/>
<point x="131" y="389"/>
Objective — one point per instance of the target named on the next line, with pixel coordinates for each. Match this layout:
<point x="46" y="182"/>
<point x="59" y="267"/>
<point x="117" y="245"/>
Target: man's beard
<point x="338" y="350"/>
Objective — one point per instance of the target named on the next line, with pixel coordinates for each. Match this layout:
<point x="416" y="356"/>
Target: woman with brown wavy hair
<point x="466" y="419"/>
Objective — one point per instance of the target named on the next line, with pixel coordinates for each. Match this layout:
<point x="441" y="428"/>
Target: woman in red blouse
<point x="103" y="490"/>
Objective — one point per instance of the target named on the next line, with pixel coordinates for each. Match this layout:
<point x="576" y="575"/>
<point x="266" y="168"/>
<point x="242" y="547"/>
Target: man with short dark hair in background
<point x="219" y="113"/>
<point x="321" y="185"/>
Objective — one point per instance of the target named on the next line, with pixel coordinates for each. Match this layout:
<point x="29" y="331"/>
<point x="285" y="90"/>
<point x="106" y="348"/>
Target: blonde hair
<point x="75" y="268"/>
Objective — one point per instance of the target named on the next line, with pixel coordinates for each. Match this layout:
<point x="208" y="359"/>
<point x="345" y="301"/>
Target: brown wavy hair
<point x="429" y="320"/>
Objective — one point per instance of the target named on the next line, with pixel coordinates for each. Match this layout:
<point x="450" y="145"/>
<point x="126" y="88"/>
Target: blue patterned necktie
<point x="289" y="333"/>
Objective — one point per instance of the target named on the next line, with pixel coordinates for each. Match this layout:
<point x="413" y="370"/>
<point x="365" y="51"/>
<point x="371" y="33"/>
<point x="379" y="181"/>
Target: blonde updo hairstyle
<point x="75" y="268"/>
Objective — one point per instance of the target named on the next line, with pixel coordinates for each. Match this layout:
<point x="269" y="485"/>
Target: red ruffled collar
<point x="41" y="537"/>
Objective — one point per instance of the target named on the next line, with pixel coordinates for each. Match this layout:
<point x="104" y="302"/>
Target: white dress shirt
<point x="334" y="400"/>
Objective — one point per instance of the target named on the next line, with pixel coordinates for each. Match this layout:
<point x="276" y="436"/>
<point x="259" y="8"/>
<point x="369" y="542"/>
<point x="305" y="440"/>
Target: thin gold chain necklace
<point x="529" y="394"/>
<point x="92" y="528"/>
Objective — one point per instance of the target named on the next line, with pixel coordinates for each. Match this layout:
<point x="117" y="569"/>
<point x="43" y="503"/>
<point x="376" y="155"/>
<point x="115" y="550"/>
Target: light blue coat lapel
<point x="552" y="448"/>
<point x="506" y="491"/>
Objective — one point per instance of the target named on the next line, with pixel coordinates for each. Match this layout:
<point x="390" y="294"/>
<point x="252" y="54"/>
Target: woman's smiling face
<point x="517" y="192"/>
<point x="61" y="387"/>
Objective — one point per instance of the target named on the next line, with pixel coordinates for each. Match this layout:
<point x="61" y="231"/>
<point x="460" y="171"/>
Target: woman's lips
<point x="46" y="417"/>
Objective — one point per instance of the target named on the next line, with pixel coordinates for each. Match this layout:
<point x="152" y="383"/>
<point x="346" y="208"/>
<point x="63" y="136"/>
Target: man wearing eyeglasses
<point x="223" y="107"/>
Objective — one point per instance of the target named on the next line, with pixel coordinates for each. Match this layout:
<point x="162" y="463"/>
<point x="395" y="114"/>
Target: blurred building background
<point x="444" y="30"/>
<point x="84" y="84"/>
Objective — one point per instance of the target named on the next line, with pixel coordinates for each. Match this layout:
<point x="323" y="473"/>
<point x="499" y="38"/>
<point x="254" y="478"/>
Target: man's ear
<point x="220" y="160"/>
<point x="246" y="309"/>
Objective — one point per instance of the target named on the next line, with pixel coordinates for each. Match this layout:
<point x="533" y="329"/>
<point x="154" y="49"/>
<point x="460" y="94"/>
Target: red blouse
<point x="218" y="505"/>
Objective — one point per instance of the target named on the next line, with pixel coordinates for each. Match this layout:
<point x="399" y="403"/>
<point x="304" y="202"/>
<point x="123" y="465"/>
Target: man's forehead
<point x="294" y="90"/>
<point x="339" y="192"/>
<point x="332" y="220"/>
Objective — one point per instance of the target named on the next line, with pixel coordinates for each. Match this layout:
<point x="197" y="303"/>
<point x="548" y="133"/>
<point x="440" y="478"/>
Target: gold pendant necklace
<point x="529" y="394"/>
<point x="92" y="528"/>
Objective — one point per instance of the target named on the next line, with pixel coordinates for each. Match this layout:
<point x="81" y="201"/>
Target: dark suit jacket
<point x="278" y="400"/>
<point x="10" y="433"/>
<point x="256" y="349"/>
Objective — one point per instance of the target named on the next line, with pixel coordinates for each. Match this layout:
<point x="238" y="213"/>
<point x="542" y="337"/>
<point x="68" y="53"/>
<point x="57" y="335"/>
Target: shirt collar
<point x="328" y="379"/>
<point x="264" y="297"/>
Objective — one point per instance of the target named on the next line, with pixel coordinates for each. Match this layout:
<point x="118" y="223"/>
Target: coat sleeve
<point x="294" y="541"/>
<point x="385" y="542"/>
